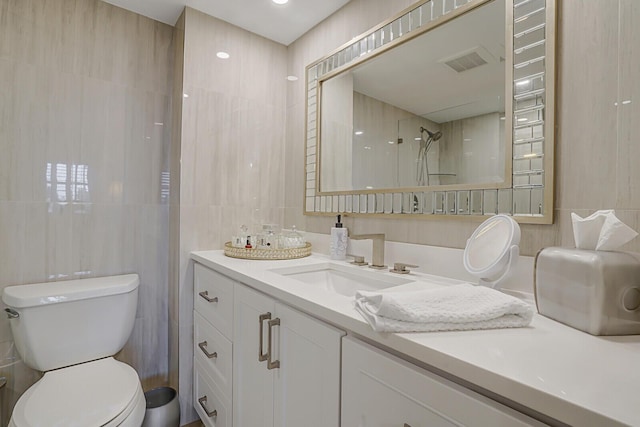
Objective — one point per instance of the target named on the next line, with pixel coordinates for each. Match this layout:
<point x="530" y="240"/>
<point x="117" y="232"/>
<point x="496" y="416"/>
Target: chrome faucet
<point x="377" y="259"/>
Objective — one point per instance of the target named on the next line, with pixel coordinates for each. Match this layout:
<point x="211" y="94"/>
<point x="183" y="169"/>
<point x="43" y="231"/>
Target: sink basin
<point x="341" y="279"/>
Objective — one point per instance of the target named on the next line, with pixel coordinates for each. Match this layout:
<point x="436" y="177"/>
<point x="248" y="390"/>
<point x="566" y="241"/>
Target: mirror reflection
<point x="429" y="112"/>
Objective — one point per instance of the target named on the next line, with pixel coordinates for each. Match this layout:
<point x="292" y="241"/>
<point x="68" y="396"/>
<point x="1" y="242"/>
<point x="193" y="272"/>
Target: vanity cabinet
<point x="286" y="365"/>
<point x="379" y="389"/>
<point x="261" y="363"/>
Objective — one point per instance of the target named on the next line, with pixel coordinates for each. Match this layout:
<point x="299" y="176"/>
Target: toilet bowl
<point x="70" y="330"/>
<point x="104" y="392"/>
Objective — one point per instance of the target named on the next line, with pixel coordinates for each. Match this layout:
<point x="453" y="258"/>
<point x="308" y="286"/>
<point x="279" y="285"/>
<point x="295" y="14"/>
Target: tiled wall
<point x="84" y="139"/>
<point x="597" y="127"/>
<point x="231" y="152"/>
<point x="473" y="148"/>
<point x="379" y="161"/>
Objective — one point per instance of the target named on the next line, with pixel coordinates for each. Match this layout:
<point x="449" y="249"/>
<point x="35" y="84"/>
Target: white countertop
<point x="566" y="374"/>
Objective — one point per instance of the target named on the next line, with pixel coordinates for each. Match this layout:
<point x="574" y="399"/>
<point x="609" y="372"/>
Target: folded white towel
<point x="450" y="308"/>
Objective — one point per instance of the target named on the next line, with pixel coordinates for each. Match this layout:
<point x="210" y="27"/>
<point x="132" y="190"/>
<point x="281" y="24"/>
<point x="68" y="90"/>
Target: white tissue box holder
<point x="594" y="291"/>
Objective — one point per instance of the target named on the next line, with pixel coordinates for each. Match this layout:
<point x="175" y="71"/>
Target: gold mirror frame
<point x="527" y="194"/>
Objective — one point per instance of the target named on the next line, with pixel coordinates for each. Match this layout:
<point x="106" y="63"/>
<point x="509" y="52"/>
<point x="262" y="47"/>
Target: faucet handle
<point x="357" y="259"/>
<point x="401" y="268"/>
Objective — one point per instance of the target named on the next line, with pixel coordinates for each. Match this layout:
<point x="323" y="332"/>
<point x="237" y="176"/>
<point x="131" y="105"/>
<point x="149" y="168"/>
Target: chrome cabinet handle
<point x="202" y="401"/>
<point x="275" y="363"/>
<point x="205" y="295"/>
<point x="262" y="356"/>
<point x="203" y="347"/>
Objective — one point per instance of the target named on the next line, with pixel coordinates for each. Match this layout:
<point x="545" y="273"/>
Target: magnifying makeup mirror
<point x="492" y="250"/>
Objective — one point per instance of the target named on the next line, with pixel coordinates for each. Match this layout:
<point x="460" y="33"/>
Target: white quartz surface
<point x="566" y="374"/>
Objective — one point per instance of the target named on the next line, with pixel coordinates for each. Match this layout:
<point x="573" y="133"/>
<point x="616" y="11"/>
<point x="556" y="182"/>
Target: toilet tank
<point x="68" y="322"/>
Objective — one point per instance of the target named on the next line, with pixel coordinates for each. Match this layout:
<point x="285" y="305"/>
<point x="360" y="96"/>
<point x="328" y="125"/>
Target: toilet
<point x="70" y="330"/>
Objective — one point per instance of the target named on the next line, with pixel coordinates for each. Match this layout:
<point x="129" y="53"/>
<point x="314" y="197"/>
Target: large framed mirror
<point x="446" y="109"/>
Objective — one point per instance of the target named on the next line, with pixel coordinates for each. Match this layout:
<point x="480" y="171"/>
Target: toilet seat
<point x="104" y="392"/>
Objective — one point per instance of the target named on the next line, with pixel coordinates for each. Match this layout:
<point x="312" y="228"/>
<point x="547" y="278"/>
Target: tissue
<point x="601" y="231"/>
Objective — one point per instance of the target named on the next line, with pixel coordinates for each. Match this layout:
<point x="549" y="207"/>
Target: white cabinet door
<point x="252" y="381"/>
<point x="307" y="383"/>
<point x="380" y="390"/>
<point x="297" y="381"/>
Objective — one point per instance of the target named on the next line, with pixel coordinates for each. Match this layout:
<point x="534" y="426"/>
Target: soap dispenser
<point x="338" y="244"/>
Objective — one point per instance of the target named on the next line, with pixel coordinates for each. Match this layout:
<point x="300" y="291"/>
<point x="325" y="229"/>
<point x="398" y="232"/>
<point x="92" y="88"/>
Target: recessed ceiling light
<point x="390" y="142"/>
<point x="222" y="55"/>
<point x="292" y="78"/>
<point x="280" y="1"/>
<point x="359" y="132"/>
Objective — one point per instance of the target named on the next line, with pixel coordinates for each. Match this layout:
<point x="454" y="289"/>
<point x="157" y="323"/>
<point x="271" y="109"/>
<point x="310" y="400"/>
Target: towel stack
<point x="450" y="308"/>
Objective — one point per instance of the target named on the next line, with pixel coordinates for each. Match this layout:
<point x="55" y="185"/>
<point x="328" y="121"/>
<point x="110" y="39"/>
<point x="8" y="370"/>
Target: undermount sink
<point x="339" y="279"/>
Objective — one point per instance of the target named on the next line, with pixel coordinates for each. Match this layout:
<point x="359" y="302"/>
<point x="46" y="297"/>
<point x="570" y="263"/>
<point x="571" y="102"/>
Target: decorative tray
<point x="267" y="254"/>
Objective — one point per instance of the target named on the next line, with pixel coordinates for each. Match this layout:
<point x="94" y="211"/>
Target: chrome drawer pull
<point x="202" y="401"/>
<point x="203" y="347"/>
<point x="205" y="295"/>
<point x="261" y="356"/>
<point x="276" y="363"/>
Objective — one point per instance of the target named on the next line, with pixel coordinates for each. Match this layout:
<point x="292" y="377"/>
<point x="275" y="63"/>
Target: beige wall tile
<point x="174" y="345"/>
<point x="587" y="122"/>
<point x="294" y="173"/>
<point x="628" y="170"/>
<point x="12" y="244"/>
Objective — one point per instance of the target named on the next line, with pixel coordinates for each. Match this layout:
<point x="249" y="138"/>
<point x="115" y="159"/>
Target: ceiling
<point x="281" y="23"/>
<point x="416" y="78"/>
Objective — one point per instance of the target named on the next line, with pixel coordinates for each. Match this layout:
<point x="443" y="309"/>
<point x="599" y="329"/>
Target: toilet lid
<point x="89" y="394"/>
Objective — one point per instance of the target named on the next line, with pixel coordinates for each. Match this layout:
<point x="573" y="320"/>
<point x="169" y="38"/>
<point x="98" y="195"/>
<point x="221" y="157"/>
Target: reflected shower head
<point x="433" y="135"/>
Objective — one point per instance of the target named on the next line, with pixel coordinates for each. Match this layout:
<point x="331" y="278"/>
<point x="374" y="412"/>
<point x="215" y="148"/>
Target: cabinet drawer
<point x="218" y="361"/>
<point x="214" y="298"/>
<point x="208" y="398"/>
<point x="379" y="389"/>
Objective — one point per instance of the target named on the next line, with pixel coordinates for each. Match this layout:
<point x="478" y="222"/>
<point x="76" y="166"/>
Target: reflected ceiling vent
<point x="469" y="59"/>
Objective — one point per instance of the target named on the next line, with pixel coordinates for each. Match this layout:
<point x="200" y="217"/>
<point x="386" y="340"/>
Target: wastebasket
<point x="163" y="408"/>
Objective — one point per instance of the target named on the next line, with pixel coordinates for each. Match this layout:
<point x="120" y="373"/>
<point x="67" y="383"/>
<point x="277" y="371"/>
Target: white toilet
<point x="69" y="330"/>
